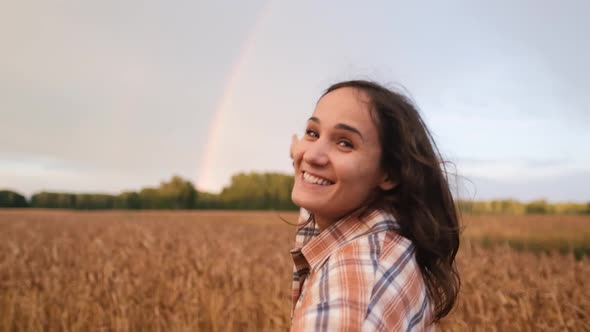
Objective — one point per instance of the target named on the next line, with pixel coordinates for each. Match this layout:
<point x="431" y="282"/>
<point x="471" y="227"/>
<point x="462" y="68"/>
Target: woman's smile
<point x="315" y="179"/>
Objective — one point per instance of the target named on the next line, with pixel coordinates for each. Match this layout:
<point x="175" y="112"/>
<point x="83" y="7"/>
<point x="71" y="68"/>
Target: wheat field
<point x="230" y="271"/>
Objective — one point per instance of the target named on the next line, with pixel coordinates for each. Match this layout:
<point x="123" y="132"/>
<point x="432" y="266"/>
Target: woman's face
<point x="337" y="161"/>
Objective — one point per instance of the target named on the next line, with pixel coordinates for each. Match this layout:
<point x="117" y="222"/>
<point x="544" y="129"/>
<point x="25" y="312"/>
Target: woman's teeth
<point x="315" y="180"/>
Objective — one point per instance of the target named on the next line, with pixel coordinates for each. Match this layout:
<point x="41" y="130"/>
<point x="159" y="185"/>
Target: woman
<point x="378" y="231"/>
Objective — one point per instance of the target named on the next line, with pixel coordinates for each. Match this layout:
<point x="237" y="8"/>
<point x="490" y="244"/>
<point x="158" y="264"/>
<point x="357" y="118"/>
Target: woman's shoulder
<point x="385" y="246"/>
<point x="380" y="237"/>
<point x="386" y="262"/>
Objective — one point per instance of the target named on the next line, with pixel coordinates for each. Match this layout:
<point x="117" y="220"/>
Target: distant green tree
<point x="464" y="206"/>
<point x="177" y="194"/>
<point x="150" y="198"/>
<point x="53" y="200"/>
<point x="569" y="208"/>
<point x="208" y="200"/>
<point x="12" y="199"/>
<point x="128" y="200"/>
<point x="255" y="191"/>
<point x="174" y="194"/>
<point x="538" y="207"/>
<point x="95" y="201"/>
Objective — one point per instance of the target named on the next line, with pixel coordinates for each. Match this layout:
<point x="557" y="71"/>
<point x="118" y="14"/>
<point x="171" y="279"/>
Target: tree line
<point x="514" y="207"/>
<point x="246" y="191"/>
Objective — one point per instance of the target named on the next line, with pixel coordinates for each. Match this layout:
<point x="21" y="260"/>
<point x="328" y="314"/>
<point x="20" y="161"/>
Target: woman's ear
<point x="295" y="151"/>
<point x="294" y="141"/>
<point x="387" y="183"/>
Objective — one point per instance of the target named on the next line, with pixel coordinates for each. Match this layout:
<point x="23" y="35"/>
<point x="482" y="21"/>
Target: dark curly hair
<point x="421" y="201"/>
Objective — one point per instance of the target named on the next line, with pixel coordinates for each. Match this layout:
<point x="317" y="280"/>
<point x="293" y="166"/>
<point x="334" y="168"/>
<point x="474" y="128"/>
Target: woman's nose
<point x="316" y="153"/>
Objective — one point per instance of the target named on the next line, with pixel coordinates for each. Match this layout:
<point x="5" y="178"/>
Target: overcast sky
<point x="107" y="96"/>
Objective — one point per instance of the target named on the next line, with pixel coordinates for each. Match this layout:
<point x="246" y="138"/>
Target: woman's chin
<point x="305" y="202"/>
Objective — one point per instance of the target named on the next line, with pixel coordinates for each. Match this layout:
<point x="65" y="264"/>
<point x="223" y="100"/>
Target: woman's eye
<point x="311" y="133"/>
<point x="346" y="144"/>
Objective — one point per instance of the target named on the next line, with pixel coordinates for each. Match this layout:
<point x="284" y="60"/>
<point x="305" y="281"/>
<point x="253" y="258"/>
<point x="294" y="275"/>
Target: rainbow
<point x="207" y="165"/>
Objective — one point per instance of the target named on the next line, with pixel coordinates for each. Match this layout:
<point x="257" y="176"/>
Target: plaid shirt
<point x="357" y="275"/>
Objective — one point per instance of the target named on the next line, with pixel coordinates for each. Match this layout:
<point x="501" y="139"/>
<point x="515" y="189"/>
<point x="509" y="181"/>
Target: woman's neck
<point x="324" y="222"/>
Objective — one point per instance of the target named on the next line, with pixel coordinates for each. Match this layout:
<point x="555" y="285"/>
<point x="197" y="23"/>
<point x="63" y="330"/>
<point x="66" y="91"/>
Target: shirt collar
<point x="316" y="246"/>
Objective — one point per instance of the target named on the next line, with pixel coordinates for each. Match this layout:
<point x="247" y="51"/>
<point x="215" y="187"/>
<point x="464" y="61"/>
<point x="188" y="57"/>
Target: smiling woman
<point x="378" y="232"/>
<point x="340" y="165"/>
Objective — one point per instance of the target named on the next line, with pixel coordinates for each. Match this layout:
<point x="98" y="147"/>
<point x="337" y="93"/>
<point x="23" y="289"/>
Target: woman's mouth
<point x="314" y="179"/>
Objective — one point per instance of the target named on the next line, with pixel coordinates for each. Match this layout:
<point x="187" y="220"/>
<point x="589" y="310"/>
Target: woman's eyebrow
<point x="341" y="126"/>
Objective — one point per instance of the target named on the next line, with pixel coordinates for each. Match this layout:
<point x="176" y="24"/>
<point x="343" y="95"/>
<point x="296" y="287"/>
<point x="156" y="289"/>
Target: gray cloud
<point x="107" y="95"/>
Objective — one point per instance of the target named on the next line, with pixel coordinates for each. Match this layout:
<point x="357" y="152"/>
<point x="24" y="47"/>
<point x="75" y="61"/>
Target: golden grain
<point x="230" y="271"/>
